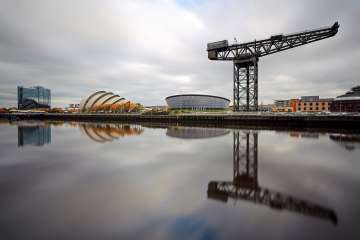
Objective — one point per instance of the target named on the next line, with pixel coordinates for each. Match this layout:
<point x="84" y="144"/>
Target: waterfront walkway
<point x="343" y="121"/>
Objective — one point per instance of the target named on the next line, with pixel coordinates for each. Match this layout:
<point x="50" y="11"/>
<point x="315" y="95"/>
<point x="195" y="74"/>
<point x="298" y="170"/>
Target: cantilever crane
<point x="245" y="184"/>
<point x="246" y="56"/>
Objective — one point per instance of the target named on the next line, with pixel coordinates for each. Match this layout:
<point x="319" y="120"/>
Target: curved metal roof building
<point x="100" y="98"/>
<point x="353" y="94"/>
<point x="197" y="101"/>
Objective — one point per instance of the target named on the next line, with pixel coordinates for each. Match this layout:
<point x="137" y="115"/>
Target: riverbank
<point x="249" y="119"/>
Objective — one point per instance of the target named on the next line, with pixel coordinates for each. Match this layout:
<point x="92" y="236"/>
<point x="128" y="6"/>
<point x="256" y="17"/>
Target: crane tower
<point x="245" y="57"/>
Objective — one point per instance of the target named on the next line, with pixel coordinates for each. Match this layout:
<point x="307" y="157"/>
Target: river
<point x="68" y="180"/>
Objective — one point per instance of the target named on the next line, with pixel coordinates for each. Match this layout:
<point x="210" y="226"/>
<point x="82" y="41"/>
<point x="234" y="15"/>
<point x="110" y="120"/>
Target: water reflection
<point x="106" y="132"/>
<point x="314" y="135"/>
<point x="195" y="132"/>
<point x="245" y="185"/>
<point x="36" y="134"/>
<point x="349" y="142"/>
<point x="78" y="189"/>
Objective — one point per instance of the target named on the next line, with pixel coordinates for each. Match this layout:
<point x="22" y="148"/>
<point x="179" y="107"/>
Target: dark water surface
<point x="115" y="181"/>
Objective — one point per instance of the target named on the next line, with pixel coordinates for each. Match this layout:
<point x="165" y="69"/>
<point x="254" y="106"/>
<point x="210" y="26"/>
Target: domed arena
<point x="197" y="102"/>
<point x="102" y="101"/>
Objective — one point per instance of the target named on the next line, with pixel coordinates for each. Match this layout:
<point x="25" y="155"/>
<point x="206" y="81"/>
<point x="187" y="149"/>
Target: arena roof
<point x="352" y="95"/>
<point x="203" y="95"/>
<point x="197" y="101"/>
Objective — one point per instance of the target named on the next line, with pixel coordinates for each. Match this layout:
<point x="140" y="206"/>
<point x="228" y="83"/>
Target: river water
<point x="67" y="180"/>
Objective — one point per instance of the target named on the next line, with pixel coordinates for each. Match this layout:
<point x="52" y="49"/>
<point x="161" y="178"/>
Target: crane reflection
<point x="245" y="185"/>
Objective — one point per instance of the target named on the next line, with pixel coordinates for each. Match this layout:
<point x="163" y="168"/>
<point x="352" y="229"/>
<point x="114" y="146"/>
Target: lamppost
<point x="340" y="106"/>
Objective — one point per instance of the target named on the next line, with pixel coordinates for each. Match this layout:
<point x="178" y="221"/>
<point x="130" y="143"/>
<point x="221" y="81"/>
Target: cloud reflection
<point x="153" y="186"/>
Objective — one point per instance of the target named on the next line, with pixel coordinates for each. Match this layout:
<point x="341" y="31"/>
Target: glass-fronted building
<point x="33" y="97"/>
<point x="310" y="98"/>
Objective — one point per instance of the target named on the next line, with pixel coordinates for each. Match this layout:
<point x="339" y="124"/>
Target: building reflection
<point x="195" y="132"/>
<point x="35" y="134"/>
<point x="314" y="135"/>
<point x="349" y="141"/>
<point x="245" y="185"/>
<point x="107" y="132"/>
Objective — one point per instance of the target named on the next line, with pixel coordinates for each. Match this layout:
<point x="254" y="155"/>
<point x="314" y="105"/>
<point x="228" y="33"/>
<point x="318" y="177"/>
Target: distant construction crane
<point x="245" y="57"/>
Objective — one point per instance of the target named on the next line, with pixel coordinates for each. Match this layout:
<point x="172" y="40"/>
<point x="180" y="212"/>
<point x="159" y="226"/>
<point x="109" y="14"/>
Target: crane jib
<point x="304" y="36"/>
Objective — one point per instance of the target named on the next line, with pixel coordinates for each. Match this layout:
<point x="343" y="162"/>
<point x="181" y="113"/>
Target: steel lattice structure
<point x="245" y="184"/>
<point x="245" y="158"/>
<point x="245" y="57"/>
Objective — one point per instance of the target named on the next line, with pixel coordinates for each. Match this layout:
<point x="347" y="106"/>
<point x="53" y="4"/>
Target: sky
<point x="148" y="50"/>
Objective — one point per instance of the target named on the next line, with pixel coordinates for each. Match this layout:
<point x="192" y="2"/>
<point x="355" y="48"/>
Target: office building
<point x="33" y="97"/>
<point x="313" y="104"/>
<point x="304" y="104"/>
<point x="281" y="106"/>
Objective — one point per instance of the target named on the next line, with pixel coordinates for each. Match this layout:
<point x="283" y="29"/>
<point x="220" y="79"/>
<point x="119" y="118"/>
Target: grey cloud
<point x="75" y="48"/>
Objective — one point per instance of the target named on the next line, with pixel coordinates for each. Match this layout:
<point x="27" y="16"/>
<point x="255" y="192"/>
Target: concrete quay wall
<point x="275" y="120"/>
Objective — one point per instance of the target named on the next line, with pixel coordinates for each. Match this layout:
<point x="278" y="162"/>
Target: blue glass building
<point x="33" y="97"/>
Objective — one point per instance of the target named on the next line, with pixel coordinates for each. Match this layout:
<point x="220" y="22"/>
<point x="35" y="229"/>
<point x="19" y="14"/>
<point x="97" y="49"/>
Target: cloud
<point x="149" y="50"/>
